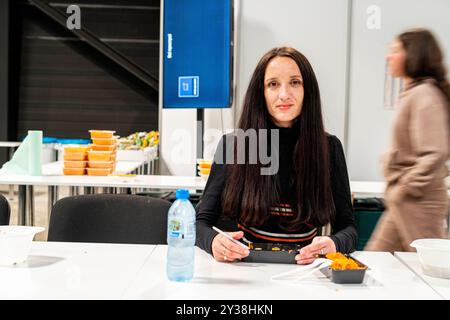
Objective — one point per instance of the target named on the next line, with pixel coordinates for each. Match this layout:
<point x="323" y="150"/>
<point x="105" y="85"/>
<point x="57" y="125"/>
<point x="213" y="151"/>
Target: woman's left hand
<point x="319" y="245"/>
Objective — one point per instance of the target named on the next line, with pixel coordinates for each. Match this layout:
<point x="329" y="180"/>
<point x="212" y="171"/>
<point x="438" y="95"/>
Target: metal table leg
<point x="11" y="187"/>
<point x="88" y="190"/>
<point x="29" y="217"/>
<point x="22" y="194"/>
<point x="52" y="198"/>
<point x="11" y="192"/>
<point x="74" y="191"/>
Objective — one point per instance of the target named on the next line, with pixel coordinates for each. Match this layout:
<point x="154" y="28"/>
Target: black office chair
<point x="109" y="218"/>
<point x="5" y="210"/>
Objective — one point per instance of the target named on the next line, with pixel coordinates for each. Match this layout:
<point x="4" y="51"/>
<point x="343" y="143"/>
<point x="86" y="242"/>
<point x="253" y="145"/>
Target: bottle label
<point x="178" y="229"/>
<point x="175" y="228"/>
<point x="190" y="230"/>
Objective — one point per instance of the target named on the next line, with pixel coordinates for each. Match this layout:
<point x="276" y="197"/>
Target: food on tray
<point x="342" y="262"/>
<point x="290" y="248"/>
<point x="139" y="140"/>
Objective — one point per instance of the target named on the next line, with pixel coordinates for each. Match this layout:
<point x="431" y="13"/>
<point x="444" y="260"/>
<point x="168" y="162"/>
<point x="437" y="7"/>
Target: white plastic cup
<point x="15" y="243"/>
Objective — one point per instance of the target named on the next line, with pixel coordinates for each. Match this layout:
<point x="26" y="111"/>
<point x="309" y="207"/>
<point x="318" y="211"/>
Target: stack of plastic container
<point x="204" y="168"/>
<point x="75" y="160"/>
<point x="102" y="153"/>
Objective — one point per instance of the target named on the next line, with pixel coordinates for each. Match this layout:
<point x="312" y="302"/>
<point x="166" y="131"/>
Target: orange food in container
<point x="101" y="164"/>
<point x="104" y="141"/>
<point x="74" y="171"/>
<point x="75" y="156"/>
<point x="205" y="171"/>
<point x="99" y="156"/>
<point x="204" y="165"/>
<point x="100" y="147"/>
<point x="75" y="164"/>
<point x="77" y="149"/>
<point x="101" y="134"/>
<point x="99" y="171"/>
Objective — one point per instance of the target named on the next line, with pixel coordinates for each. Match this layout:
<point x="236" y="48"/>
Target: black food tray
<point x="272" y="253"/>
<point x="346" y="276"/>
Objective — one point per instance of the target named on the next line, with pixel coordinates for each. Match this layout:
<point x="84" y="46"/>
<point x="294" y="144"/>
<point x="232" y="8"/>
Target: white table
<point x="440" y="285"/>
<point x="10" y="144"/>
<point x="57" y="270"/>
<point x="26" y="183"/>
<point x="387" y="279"/>
<point x="364" y="189"/>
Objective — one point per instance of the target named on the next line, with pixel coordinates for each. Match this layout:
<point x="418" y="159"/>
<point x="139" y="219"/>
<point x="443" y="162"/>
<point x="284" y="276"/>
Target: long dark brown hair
<point x="424" y="58"/>
<point x="248" y="195"/>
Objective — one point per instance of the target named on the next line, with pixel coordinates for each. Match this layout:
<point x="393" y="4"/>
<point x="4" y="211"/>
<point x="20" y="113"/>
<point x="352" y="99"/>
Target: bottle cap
<point x="182" y="194"/>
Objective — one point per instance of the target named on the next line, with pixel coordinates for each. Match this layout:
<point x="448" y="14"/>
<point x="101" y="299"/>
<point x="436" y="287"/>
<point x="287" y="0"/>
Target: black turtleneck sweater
<point x="343" y="233"/>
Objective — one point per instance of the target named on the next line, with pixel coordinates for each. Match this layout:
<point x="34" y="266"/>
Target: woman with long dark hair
<point x="309" y="190"/>
<point x="414" y="167"/>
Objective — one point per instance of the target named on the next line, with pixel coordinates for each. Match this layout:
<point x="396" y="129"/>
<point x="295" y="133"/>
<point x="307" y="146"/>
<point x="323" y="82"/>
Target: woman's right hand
<point x="224" y="250"/>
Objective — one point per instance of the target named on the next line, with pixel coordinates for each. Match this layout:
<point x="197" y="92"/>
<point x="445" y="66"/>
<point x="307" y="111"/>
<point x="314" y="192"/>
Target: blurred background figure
<point x="415" y="166"/>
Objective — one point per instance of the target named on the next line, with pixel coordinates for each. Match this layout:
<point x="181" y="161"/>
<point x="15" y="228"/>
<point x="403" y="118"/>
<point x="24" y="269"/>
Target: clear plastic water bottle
<point x="181" y="238"/>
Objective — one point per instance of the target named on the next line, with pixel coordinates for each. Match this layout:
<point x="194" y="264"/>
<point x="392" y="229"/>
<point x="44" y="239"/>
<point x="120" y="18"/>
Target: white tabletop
<point x="440" y="285"/>
<point x="365" y="189"/>
<point x="57" y="270"/>
<point x="362" y="189"/>
<point x="387" y="279"/>
<point x="9" y="144"/>
<point x="138" y="181"/>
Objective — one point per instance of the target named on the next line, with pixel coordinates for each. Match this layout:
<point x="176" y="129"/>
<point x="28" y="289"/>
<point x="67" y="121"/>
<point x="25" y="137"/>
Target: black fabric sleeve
<point x="343" y="228"/>
<point x="209" y="209"/>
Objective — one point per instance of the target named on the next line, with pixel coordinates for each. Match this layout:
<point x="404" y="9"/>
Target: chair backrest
<point x="109" y="218"/>
<point x="5" y="210"/>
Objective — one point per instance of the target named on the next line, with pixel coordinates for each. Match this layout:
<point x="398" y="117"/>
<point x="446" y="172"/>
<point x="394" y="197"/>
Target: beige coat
<point x="415" y="171"/>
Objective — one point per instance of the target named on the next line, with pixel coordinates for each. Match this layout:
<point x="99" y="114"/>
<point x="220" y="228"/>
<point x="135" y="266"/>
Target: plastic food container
<point x="105" y="141"/>
<point x="99" y="171"/>
<point x="15" y="243"/>
<point x="272" y="253"/>
<point x="75" y="164"/>
<point x="205" y="171"/>
<point x="99" y="147"/>
<point x="204" y="176"/>
<point x="75" y="156"/>
<point x="99" y="155"/>
<point x="101" y="164"/>
<point x="347" y="276"/>
<point x="77" y="149"/>
<point x="101" y="134"/>
<point x="434" y="256"/>
<point x="202" y="163"/>
<point x="74" y="171"/>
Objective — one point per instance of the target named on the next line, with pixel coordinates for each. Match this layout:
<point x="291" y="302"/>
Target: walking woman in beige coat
<point x="415" y="166"/>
